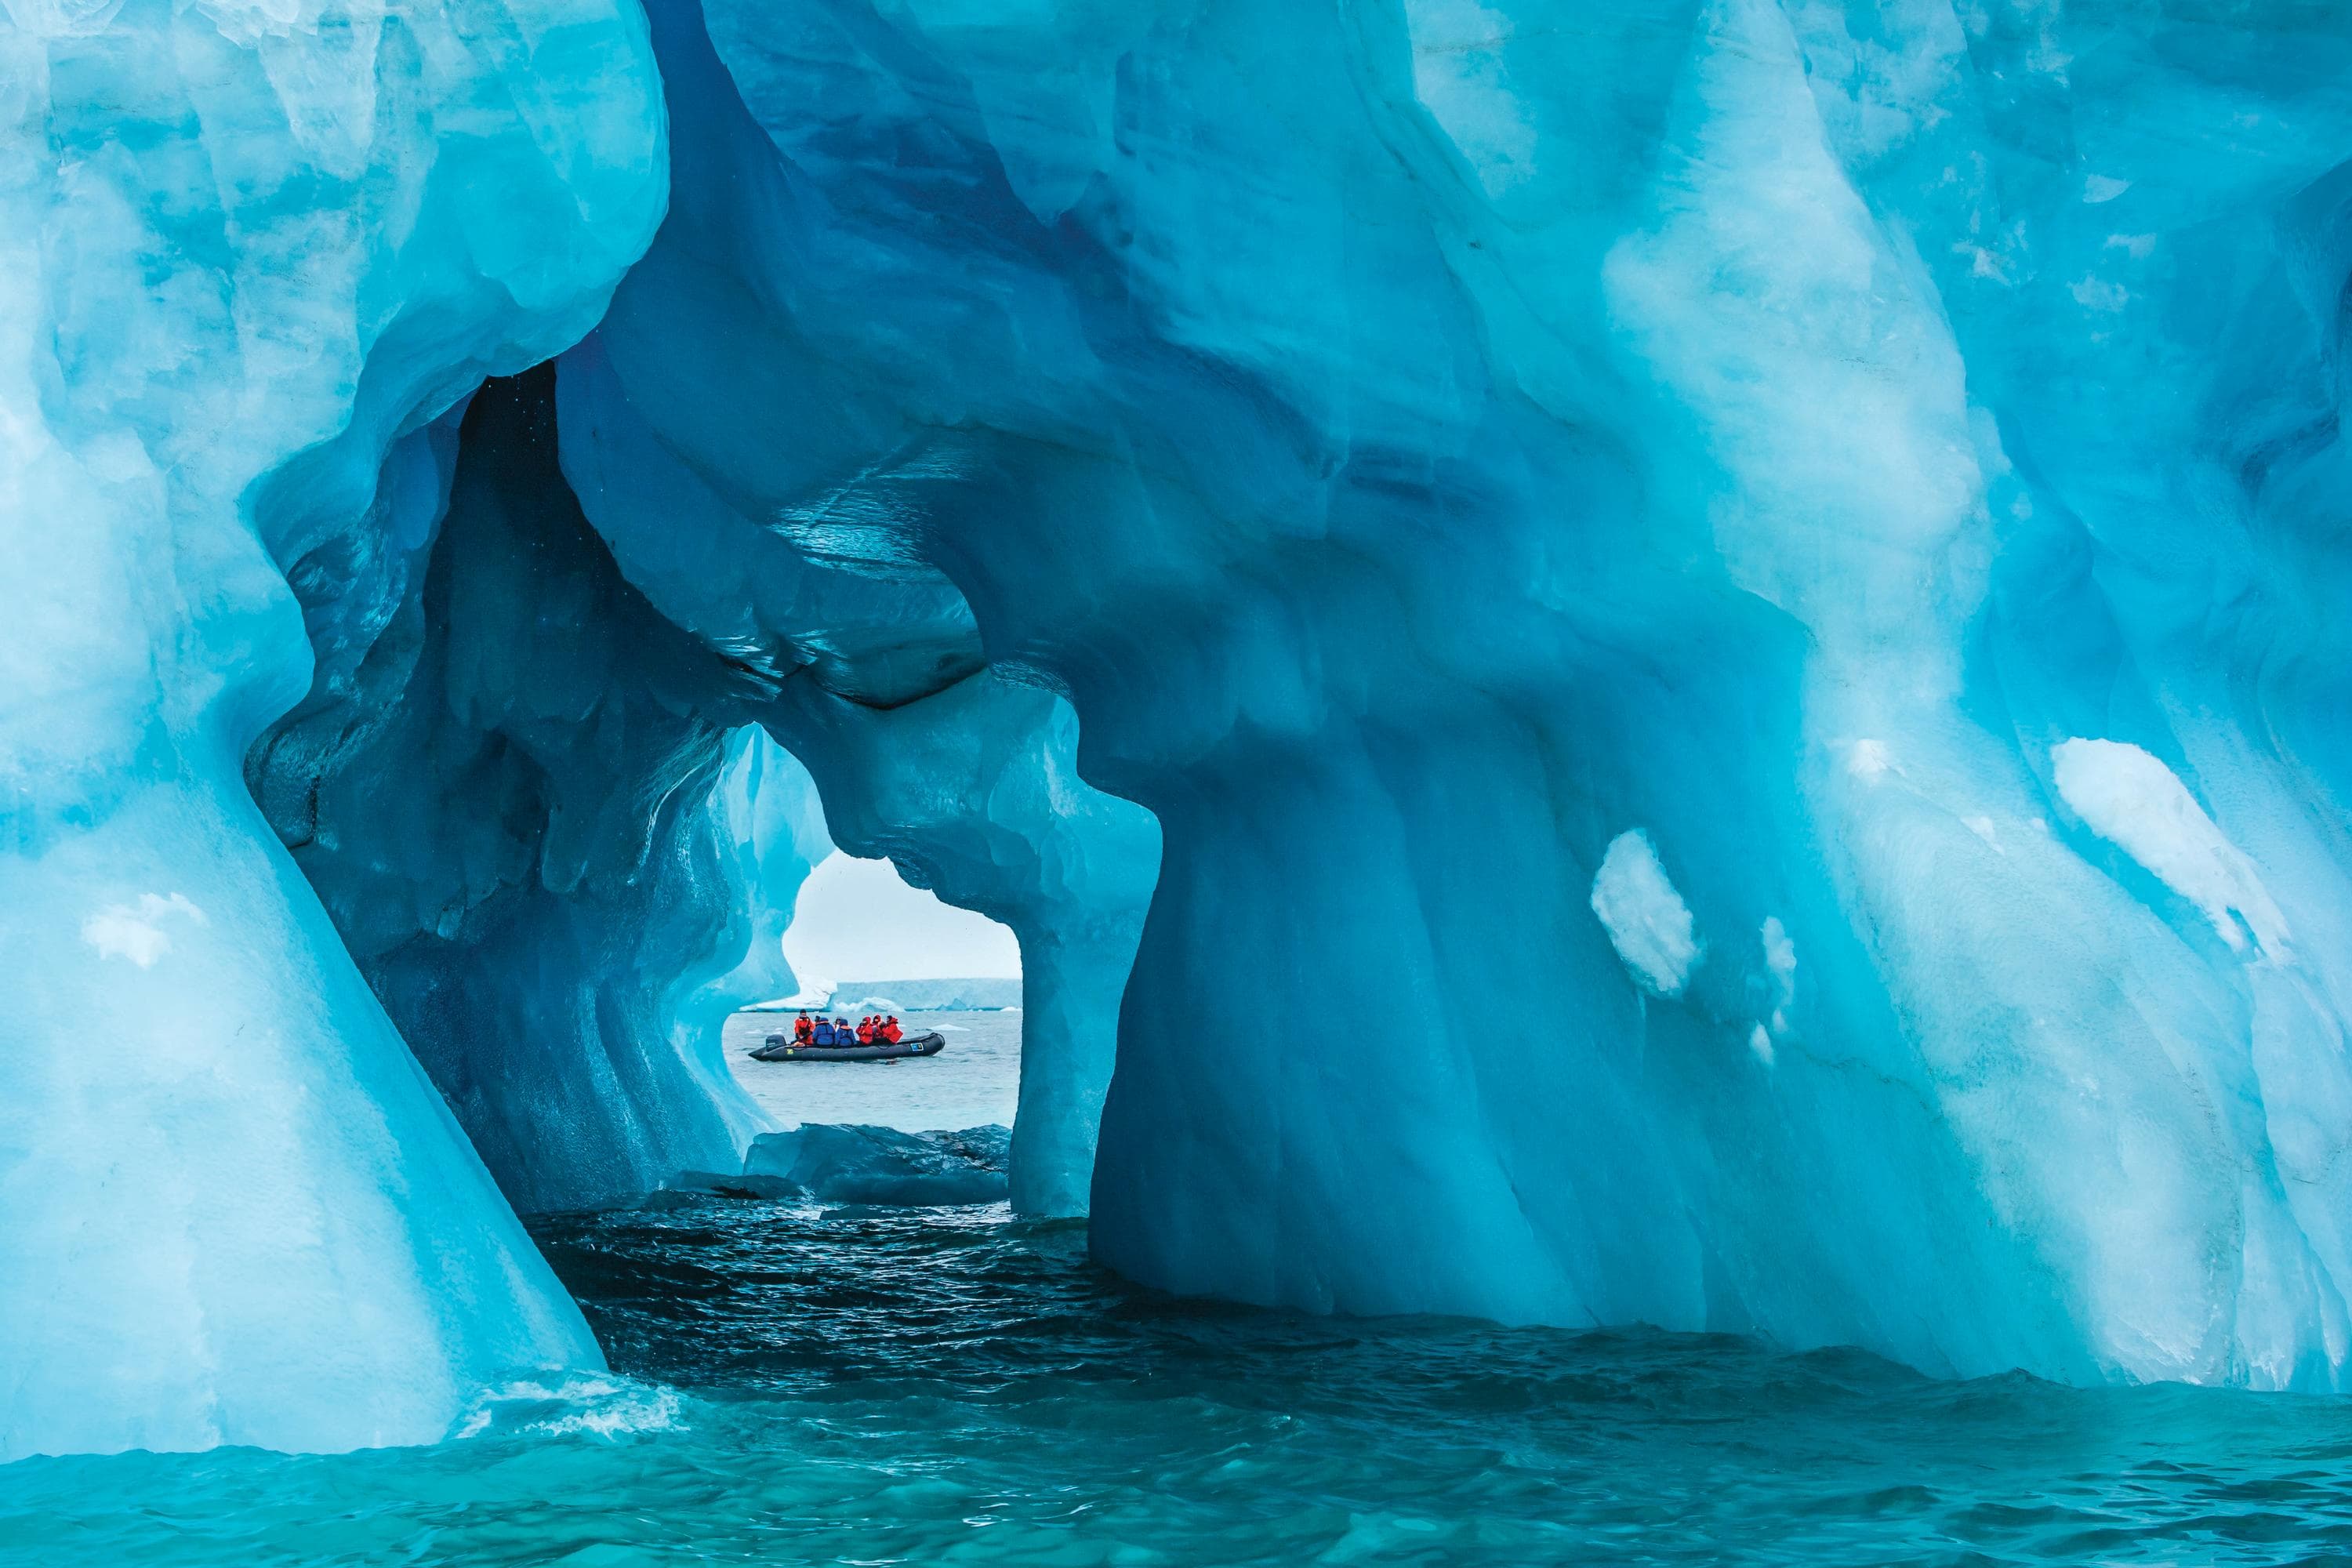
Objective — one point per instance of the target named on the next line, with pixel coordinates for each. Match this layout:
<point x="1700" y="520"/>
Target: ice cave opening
<point x="560" y="781"/>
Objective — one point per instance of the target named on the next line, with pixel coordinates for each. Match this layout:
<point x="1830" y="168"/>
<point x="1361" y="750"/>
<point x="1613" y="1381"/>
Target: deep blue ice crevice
<point x="966" y="780"/>
<point x="529" y="821"/>
<point x="244" y="257"/>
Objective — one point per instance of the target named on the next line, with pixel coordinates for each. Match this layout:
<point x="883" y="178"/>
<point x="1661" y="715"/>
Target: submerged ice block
<point x="882" y="1165"/>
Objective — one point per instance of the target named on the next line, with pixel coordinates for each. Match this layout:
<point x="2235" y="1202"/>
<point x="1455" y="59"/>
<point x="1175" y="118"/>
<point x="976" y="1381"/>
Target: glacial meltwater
<point x="793" y="1384"/>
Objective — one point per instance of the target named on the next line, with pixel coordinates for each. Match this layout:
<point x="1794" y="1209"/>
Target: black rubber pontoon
<point x="782" y="1048"/>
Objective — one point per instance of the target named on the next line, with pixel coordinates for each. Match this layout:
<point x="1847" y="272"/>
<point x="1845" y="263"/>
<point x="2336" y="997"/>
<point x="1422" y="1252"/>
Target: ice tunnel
<point x="1707" y="627"/>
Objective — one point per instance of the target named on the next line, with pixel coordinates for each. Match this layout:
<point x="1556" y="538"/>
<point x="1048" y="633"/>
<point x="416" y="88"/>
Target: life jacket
<point x="821" y="1033"/>
<point x="803" y="1029"/>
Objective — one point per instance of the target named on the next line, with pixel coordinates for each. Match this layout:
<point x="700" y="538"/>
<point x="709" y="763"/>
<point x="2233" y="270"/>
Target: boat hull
<point x="781" y="1048"/>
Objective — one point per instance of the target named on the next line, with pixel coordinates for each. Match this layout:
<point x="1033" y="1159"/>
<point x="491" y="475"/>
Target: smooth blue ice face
<point x="1719" y="604"/>
<point x="243" y="251"/>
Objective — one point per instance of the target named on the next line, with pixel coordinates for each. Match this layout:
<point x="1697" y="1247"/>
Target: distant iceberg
<point x="981" y="996"/>
<point x="815" y="994"/>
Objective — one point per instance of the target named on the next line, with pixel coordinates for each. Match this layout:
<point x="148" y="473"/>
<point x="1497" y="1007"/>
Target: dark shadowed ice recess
<point x="950" y="1386"/>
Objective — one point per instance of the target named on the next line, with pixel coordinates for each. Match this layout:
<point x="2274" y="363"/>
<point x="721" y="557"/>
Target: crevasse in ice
<point x="1726" y="612"/>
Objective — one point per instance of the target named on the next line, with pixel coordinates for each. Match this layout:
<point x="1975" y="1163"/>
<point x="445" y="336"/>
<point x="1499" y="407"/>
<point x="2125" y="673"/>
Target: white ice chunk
<point x="1780" y="962"/>
<point x="1647" y="921"/>
<point x="134" y="930"/>
<point x="2131" y="799"/>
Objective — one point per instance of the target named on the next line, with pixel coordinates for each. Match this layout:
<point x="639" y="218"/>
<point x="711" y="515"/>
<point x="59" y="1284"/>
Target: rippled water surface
<point x="951" y="1386"/>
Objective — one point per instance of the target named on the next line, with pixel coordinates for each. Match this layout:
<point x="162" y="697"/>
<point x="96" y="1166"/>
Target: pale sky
<point x="857" y="921"/>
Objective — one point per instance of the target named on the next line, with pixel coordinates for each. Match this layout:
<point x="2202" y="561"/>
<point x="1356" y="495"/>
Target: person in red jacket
<point x="866" y="1030"/>
<point x="889" y="1034"/>
<point x="803" y="1031"/>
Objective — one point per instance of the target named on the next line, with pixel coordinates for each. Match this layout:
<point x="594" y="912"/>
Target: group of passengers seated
<point x="872" y="1031"/>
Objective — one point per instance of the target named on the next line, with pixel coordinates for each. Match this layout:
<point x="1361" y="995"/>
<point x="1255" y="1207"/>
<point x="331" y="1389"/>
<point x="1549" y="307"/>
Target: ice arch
<point x="1432" y="445"/>
<point x="921" y="750"/>
<point x="541" y="809"/>
<point x="521" y="808"/>
<point x="1880" y="460"/>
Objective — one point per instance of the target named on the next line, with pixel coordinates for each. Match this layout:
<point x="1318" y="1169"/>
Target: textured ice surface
<point x="1428" y="444"/>
<point x="243" y="250"/>
<point x="530" y="822"/>
<point x="965" y="779"/>
<point x="1647" y="921"/>
<point x="1800" y="543"/>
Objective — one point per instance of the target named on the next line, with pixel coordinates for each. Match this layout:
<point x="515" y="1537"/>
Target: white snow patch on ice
<point x="134" y="930"/>
<point x="2130" y="798"/>
<point x="1781" y="961"/>
<point x="1868" y="760"/>
<point x="1647" y="921"/>
<point x="1761" y="1044"/>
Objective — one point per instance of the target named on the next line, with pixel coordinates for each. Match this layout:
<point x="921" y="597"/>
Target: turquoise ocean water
<point x="953" y="1386"/>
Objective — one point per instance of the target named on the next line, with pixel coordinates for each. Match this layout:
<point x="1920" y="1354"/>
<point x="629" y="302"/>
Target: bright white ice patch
<point x="1647" y="921"/>
<point x="134" y="932"/>
<point x="2131" y="799"/>
<point x="1781" y="960"/>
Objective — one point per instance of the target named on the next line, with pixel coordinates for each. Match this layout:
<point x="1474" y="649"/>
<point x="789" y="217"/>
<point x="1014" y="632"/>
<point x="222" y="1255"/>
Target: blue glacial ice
<point x="1626" y="511"/>
<point x="539" y="819"/>
<point x="248" y="253"/>
<point x="1796" y="543"/>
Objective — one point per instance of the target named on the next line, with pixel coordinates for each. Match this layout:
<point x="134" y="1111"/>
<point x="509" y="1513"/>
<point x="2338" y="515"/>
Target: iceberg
<point x="1430" y="445"/>
<point x="815" y="994"/>
<point x="986" y="994"/>
<point x="1798" y="544"/>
